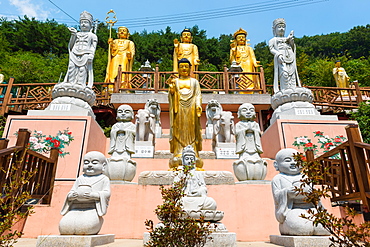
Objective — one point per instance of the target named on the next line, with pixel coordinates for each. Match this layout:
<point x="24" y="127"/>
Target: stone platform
<point x="166" y="177"/>
<point x="223" y="239"/>
<point x="74" y="240"/>
<point x="300" y="241"/>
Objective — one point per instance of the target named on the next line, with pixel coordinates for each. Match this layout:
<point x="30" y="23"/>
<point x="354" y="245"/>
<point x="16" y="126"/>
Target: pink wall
<point x="249" y="208"/>
<point x="281" y="134"/>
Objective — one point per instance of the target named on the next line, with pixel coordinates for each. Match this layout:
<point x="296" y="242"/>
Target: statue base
<point x="215" y="239"/>
<point x="226" y="151"/>
<point x="298" y="110"/>
<point x="166" y="177"/>
<point x="300" y="241"/>
<point x="121" y="169"/>
<point x="74" y="240"/>
<point x="143" y="149"/>
<point x="70" y="106"/>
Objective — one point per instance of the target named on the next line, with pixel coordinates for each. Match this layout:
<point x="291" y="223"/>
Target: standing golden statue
<point x="185" y="49"/>
<point x="185" y="101"/>
<point x="243" y="55"/>
<point x="341" y="77"/>
<point x="121" y="52"/>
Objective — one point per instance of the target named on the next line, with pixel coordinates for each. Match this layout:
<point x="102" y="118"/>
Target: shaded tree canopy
<point x="36" y="51"/>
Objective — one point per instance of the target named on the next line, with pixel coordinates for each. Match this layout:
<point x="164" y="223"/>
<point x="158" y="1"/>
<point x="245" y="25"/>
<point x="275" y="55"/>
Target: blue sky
<point x="305" y="17"/>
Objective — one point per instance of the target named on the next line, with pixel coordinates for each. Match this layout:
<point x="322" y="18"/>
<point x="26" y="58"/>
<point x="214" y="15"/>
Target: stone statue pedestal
<point x="143" y="149"/>
<point x="74" y="240"/>
<point x="226" y="151"/>
<point x="295" y="103"/>
<point x="217" y="239"/>
<point x="300" y="241"/>
<point x="166" y="177"/>
<point x="121" y="169"/>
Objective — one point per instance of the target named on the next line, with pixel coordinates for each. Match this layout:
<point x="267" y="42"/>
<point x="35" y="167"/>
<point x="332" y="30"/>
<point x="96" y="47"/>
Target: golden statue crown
<point x="278" y="21"/>
<point x="240" y="31"/>
<point x="86" y="16"/>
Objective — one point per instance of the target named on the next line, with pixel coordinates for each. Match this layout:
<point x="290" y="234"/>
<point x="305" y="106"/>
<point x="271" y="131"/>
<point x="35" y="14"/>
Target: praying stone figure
<point x="213" y="108"/>
<point x="250" y="165"/>
<point x="341" y="77"/>
<point x="187" y="50"/>
<point x="243" y="55"/>
<point x="73" y="90"/>
<point x="289" y="205"/>
<point x="185" y="103"/>
<point x="87" y="202"/>
<point x="122" y="146"/>
<point x="121" y="53"/>
<point x="195" y="191"/>
<point x="290" y="98"/>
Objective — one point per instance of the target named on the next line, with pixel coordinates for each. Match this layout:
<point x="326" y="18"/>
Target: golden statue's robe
<point x="118" y="56"/>
<point x="188" y="51"/>
<point x="184" y="122"/>
<point x="244" y="56"/>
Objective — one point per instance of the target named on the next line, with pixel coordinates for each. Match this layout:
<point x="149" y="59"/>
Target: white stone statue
<point x="73" y="90"/>
<point x="87" y="202"/>
<point x="289" y="205"/>
<point x="284" y="51"/>
<point x="145" y="126"/>
<point x="223" y="129"/>
<point x="122" y="146"/>
<point x="250" y="165"/>
<point x="154" y="108"/>
<point x="290" y="98"/>
<point x="82" y="46"/>
<point x="213" y="108"/>
<point x="195" y="191"/>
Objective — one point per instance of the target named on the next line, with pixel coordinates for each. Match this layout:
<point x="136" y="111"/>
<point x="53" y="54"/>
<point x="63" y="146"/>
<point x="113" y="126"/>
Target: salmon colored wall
<point x="87" y="134"/>
<point x="249" y="208"/>
<point x="281" y="134"/>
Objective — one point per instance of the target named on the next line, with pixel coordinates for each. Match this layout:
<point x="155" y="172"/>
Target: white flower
<point x="39" y="132"/>
<point x="323" y="140"/>
<point x="33" y="139"/>
<point x="39" y="146"/>
<point x="302" y="140"/>
<point x="63" y="137"/>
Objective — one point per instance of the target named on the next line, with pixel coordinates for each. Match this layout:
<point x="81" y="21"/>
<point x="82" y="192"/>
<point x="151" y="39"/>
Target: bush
<point x="176" y="229"/>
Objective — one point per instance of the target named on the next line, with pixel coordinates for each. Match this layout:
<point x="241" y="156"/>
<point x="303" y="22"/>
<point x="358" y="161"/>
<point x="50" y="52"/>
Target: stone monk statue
<point x="185" y="49"/>
<point x="284" y="51"/>
<point x="121" y="52"/>
<point x="250" y="165"/>
<point x="185" y="102"/>
<point x="289" y="205"/>
<point x="81" y="48"/>
<point x="243" y="55"/>
<point x="87" y="202"/>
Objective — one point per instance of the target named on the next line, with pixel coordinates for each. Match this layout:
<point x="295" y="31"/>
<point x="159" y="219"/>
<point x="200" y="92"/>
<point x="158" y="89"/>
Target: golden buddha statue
<point x="243" y="55"/>
<point x="121" y="52"/>
<point x="185" y="100"/>
<point x="341" y="77"/>
<point x="185" y="49"/>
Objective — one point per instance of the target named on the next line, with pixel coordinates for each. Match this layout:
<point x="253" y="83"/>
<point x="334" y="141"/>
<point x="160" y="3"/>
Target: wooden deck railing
<point x="348" y="177"/>
<point x="18" y="97"/>
<point x="41" y="183"/>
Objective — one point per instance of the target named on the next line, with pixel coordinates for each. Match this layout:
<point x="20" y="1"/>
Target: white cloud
<point x="25" y="7"/>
